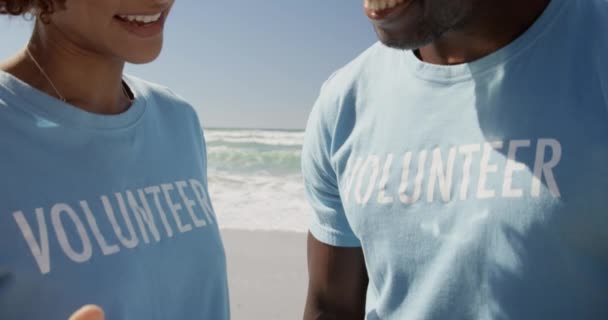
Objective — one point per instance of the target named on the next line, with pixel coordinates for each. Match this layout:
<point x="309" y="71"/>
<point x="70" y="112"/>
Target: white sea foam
<point x="267" y="137"/>
<point x="259" y="202"/>
<point x="255" y="180"/>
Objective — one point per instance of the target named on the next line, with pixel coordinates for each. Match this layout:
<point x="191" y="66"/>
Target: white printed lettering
<point x="143" y="214"/>
<point x="512" y="165"/>
<point x="437" y="173"/>
<point x="64" y="243"/>
<point x="129" y="243"/>
<point x="40" y="248"/>
<point x="486" y="168"/>
<point x="101" y="240"/>
<point x="542" y="168"/>
<point x="419" y="178"/>
<point x="155" y="192"/>
<point x="203" y="199"/>
<point x="467" y="151"/>
<point x="405" y="176"/>
<point x="382" y="197"/>
<point x="175" y="209"/>
<point x="189" y="204"/>
<point x="373" y="162"/>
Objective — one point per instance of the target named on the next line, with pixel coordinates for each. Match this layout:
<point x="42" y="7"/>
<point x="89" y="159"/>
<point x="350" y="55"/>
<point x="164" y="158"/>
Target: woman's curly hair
<point x="39" y="8"/>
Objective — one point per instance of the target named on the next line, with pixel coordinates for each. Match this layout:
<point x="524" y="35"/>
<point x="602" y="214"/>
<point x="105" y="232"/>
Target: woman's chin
<point x="142" y="57"/>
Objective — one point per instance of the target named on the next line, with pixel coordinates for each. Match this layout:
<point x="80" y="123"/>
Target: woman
<point x="103" y="191"/>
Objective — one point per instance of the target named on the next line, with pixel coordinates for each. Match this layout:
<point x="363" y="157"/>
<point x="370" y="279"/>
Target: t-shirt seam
<point x="475" y="75"/>
<point x="338" y="235"/>
<point x="28" y="106"/>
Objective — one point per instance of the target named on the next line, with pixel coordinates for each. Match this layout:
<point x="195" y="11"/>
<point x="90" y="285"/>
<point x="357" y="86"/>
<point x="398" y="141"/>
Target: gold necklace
<point x="44" y="74"/>
<point x="27" y="50"/>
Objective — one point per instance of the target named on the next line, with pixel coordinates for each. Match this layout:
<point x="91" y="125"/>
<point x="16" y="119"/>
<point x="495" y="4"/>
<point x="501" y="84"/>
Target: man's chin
<point x="404" y="42"/>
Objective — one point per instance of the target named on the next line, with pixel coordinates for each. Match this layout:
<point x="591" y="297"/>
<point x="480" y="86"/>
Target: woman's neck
<point x="84" y="78"/>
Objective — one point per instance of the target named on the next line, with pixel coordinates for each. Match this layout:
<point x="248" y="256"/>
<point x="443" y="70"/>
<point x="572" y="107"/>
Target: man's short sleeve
<point x="329" y="223"/>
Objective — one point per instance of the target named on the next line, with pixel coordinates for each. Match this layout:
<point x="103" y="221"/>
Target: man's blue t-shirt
<point x="110" y="210"/>
<point x="476" y="191"/>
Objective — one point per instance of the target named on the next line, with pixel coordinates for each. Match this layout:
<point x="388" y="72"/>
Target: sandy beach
<point x="267" y="274"/>
<point x="256" y="185"/>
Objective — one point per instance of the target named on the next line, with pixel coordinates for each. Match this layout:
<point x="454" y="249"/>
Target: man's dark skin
<point x="443" y="32"/>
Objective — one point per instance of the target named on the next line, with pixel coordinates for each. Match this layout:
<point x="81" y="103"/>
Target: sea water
<point x="255" y="180"/>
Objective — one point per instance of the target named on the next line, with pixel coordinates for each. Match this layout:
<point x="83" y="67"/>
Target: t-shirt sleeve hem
<point x="333" y="238"/>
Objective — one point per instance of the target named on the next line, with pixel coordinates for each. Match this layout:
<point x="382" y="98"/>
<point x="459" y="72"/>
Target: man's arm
<point x="337" y="282"/>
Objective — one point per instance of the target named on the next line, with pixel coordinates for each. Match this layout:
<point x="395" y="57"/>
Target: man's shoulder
<point x="340" y="92"/>
<point x="601" y="5"/>
<point x="596" y="18"/>
<point x="337" y="106"/>
<point x="362" y="68"/>
<point x="595" y="14"/>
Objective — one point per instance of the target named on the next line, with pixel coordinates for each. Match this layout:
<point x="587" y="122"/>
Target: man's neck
<point x="494" y="25"/>
<point x="86" y="79"/>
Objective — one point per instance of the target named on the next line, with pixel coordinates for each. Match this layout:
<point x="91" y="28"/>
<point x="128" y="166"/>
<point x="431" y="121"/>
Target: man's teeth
<point x="378" y="5"/>
<point x="141" y="18"/>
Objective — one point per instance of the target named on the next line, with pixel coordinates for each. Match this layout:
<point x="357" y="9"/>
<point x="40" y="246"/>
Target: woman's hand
<point x="88" y="312"/>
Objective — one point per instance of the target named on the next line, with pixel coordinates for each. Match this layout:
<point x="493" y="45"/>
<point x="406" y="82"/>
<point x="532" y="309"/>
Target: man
<point x="462" y="164"/>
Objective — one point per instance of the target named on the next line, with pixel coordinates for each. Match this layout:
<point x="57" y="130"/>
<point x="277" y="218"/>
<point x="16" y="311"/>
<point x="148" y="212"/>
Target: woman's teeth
<point x="141" y="18"/>
<point x="377" y="5"/>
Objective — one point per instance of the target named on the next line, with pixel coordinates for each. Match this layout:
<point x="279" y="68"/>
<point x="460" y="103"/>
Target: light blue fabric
<point x="476" y="191"/>
<point x="106" y="209"/>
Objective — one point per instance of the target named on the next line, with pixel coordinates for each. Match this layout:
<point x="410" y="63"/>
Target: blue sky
<point x="244" y="63"/>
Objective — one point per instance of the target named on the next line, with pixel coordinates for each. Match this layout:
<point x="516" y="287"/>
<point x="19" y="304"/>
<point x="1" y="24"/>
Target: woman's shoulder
<point x="162" y="103"/>
<point x="158" y="95"/>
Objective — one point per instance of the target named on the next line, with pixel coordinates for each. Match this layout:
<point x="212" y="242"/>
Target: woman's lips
<point x="143" y="25"/>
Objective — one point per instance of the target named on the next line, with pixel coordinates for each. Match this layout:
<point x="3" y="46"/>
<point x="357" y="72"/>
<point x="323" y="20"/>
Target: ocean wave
<point x="248" y="160"/>
<point x="259" y="202"/>
<point x="255" y="180"/>
<point x="264" y="137"/>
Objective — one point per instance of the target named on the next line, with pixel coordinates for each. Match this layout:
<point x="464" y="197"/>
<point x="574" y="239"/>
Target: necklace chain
<point x="61" y="97"/>
<point x="44" y="74"/>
